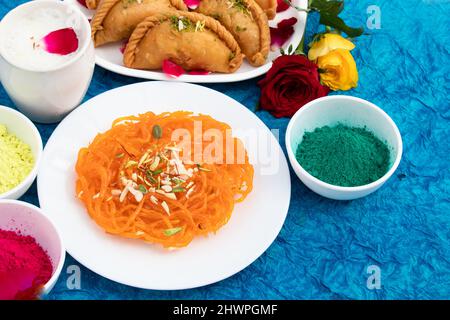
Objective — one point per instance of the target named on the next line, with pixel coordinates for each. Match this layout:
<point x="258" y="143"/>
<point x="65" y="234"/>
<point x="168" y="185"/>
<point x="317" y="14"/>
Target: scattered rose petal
<point x="62" y="42"/>
<point x="123" y="46"/>
<point x="198" y="72"/>
<point x="192" y="4"/>
<point x="282" y="32"/>
<point x="282" y="5"/>
<point x="172" y="69"/>
<point x="82" y="2"/>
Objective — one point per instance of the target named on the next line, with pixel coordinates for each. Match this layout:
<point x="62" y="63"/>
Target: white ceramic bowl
<point x="30" y="220"/>
<point x="25" y="130"/>
<point x="347" y="110"/>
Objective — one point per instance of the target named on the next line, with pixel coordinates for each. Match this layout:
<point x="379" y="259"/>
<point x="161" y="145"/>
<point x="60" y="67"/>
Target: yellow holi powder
<point x="16" y="160"/>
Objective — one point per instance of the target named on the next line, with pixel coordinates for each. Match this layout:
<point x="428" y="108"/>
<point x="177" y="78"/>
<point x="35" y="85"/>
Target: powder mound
<point x="343" y="156"/>
<point x="24" y="265"/>
<point x="16" y="160"/>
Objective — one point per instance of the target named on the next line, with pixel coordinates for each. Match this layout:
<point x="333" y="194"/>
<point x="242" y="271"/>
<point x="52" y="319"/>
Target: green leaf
<point x="332" y="7"/>
<point x="290" y="49"/>
<point x="157" y="131"/>
<point x="337" y="23"/>
<point x="172" y="231"/>
<point x="299" y="49"/>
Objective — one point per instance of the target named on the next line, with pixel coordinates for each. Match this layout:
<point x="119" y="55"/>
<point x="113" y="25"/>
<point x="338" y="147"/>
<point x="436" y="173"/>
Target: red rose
<point x="292" y="82"/>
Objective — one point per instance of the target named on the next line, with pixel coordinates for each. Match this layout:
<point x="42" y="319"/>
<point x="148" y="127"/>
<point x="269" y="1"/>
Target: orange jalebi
<point x="137" y="182"/>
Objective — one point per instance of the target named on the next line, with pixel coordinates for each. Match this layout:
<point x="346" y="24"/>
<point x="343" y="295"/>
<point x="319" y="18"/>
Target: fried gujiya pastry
<point x="92" y="4"/>
<point x="191" y="40"/>
<point x="115" y="20"/>
<point x="269" y="7"/>
<point x="246" y="21"/>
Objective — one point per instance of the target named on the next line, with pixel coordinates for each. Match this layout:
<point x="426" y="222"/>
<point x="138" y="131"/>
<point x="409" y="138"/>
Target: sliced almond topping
<point x="154" y="199"/>
<point x="166" y="188"/>
<point x="188" y="194"/>
<point x="155" y="164"/>
<point x="190" y="184"/>
<point x="143" y="158"/>
<point x="116" y="192"/>
<point x="125" y="192"/>
<point x="165" y="207"/>
<point x="134" y="176"/>
<point x="96" y="196"/>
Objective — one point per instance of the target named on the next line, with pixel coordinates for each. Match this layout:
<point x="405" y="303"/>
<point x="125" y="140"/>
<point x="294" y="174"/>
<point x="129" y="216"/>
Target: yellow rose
<point x="337" y="70"/>
<point x="326" y="43"/>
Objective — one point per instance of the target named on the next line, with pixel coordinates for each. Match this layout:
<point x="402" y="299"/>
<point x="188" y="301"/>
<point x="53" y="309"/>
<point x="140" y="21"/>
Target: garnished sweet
<point x="191" y="40"/>
<point x="246" y="21"/>
<point x="115" y="20"/>
<point x="152" y="177"/>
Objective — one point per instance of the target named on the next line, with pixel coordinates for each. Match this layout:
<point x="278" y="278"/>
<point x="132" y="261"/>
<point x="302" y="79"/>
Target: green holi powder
<point x="343" y="156"/>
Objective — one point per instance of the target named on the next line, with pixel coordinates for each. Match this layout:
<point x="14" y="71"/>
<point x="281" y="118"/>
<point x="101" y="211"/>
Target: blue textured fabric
<point x="325" y="246"/>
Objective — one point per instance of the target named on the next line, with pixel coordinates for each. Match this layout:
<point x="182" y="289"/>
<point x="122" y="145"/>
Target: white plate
<point x="110" y="57"/>
<point x="255" y="222"/>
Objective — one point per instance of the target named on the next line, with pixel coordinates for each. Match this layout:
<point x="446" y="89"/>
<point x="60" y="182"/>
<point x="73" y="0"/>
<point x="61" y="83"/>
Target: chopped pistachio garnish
<point x="240" y="29"/>
<point x="142" y="189"/>
<point x="182" y="23"/>
<point x="155" y="172"/>
<point x="172" y="231"/>
<point x="157" y="131"/>
<point x="178" y="189"/>
<point x="240" y="5"/>
<point x="120" y="155"/>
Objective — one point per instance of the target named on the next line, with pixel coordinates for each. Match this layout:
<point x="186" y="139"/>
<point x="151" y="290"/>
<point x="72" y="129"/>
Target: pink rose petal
<point x="192" y="4"/>
<point x="123" y="46"/>
<point x="171" y="69"/>
<point x="62" y="42"/>
<point x="198" y="72"/>
<point x="282" y="5"/>
<point x="282" y="32"/>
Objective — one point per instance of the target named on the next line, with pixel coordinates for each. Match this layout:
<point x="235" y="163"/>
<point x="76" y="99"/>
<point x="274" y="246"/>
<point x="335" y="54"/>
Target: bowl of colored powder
<point x="20" y="153"/>
<point x="31" y="251"/>
<point x="343" y="147"/>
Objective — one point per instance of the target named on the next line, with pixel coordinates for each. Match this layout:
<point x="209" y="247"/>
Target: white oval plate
<point x="110" y="57"/>
<point x="255" y="222"/>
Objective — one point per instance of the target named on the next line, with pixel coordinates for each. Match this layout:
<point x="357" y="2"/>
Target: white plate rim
<point x="283" y="208"/>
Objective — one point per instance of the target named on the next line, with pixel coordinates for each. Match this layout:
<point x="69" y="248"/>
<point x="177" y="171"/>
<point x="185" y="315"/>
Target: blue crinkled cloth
<point x="325" y="246"/>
